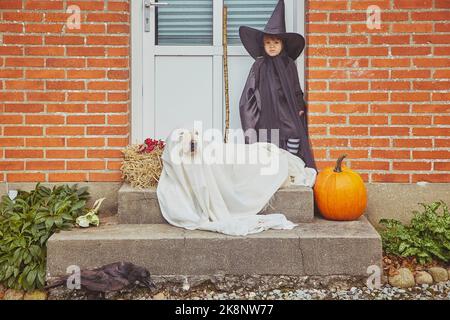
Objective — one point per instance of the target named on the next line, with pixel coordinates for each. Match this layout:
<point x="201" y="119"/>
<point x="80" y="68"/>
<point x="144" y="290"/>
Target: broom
<point x="225" y="74"/>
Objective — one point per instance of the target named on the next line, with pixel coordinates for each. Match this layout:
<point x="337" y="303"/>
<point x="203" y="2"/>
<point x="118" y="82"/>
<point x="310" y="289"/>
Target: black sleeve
<point x="300" y="96"/>
<point x="249" y="106"/>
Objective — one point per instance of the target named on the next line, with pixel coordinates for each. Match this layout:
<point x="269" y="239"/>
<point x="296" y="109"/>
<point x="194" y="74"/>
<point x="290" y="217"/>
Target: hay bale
<point x="141" y="169"/>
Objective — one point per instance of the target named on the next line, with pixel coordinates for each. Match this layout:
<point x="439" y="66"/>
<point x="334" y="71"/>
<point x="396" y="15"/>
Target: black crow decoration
<point x="109" y="278"/>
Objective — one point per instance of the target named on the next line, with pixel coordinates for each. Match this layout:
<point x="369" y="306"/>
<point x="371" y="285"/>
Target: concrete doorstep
<point x="318" y="248"/>
<point x="142" y="206"/>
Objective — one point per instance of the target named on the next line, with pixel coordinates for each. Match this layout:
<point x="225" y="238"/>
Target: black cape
<point x="272" y="99"/>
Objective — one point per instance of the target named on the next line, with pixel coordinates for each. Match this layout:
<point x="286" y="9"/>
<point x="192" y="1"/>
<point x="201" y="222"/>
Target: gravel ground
<point x="268" y="288"/>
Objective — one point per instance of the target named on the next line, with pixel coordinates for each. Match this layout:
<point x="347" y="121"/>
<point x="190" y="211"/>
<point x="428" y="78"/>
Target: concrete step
<point x="318" y="248"/>
<point x="142" y="206"/>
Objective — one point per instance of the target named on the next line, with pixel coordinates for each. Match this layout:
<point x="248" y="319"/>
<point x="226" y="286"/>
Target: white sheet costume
<point x="222" y="187"/>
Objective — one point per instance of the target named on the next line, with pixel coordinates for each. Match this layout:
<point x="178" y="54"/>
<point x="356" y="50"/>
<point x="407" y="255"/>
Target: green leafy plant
<point x="26" y="223"/>
<point x="426" y="238"/>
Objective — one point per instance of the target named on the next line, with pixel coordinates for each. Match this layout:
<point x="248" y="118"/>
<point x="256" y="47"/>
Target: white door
<point x="183" y="60"/>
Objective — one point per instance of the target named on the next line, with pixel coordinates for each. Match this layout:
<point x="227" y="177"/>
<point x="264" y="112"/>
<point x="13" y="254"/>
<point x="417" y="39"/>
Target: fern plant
<point x="427" y="237"/>
<point x="26" y="223"/>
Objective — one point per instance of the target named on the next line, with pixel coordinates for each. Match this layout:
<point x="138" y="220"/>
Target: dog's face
<point x="189" y="141"/>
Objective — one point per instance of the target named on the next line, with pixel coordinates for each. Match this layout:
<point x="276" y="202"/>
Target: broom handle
<point x="225" y="73"/>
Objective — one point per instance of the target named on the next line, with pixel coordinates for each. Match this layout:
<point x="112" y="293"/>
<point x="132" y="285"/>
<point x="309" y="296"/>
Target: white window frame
<point x="136" y="65"/>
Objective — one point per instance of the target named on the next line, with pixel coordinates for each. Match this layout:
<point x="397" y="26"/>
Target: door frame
<point x="136" y="65"/>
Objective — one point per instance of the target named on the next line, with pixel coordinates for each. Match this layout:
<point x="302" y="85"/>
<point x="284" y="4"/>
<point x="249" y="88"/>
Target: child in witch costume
<point x="272" y="98"/>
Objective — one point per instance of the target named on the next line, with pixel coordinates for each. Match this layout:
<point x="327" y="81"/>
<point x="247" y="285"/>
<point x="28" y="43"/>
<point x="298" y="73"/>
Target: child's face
<point x="272" y="45"/>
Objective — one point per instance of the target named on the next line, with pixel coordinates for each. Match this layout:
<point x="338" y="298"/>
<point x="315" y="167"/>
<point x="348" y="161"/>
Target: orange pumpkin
<point x="340" y="193"/>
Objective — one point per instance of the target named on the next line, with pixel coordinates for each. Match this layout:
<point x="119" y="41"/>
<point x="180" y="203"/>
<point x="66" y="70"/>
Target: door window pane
<point x="252" y="13"/>
<point x="185" y="22"/>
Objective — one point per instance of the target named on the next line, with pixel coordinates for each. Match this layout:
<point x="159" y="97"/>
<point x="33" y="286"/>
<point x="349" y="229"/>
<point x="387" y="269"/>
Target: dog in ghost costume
<point x="209" y="185"/>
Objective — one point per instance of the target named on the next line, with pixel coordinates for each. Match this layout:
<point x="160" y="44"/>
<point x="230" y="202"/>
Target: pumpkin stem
<point x="338" y="167"/>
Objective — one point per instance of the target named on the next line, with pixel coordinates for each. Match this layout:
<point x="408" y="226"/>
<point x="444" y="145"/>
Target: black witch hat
<point x="252" y="39"/>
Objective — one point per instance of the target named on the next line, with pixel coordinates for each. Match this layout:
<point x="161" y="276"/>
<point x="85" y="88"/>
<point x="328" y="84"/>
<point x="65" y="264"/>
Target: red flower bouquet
<point x="151" y="144"/>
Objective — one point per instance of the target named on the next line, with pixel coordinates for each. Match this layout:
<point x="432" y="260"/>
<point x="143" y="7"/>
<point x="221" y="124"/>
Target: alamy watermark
<point x="373" y="17"/>
<point x="74" y="20"/>
<point x="74" y="280"/>
<point x="196" y="145"/>
<point x="374" y="279"/>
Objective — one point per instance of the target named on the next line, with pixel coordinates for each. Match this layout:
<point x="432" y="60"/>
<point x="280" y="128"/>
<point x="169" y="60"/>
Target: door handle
<point x="147" y="5"/>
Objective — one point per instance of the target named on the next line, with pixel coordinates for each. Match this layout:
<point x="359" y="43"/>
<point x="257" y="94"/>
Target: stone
<point x="141" y="206"/>
<point x="439" y="274"/>
<point x="423" y="277"/>
<point x="404" y="279"/>
<point x="35" y="295"/>
<point x="12" y="294"/>
<point x="399" y="200"/>
<point x="311" y="249"/>
<point x="338" y="247"/>
<point x="159" y="296"/>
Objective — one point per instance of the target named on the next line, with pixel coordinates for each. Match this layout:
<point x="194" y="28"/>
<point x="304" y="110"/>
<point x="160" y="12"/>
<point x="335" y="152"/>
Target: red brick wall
<point x="65" y="94"/>
<point x="381" y="96"/>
